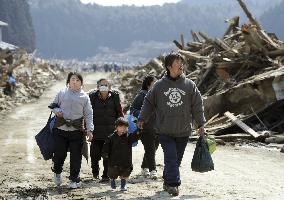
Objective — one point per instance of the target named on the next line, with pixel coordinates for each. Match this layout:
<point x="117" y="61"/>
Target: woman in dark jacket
<point x="149" y="138"/>
<point x="106" y="109"/>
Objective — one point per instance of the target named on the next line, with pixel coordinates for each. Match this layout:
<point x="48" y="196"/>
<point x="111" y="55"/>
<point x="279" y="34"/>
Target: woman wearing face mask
<point x="149" y="138"/>
<point x="73" y="106"/>
<point x="106" y="109"/>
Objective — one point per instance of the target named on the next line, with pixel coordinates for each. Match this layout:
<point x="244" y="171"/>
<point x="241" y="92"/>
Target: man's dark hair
<point x="147" y="82"/>
<point x="10" y="73"/>
<point x="121" y="122"/>
<point x="102" y="79"/>
<point x="170" y="58"/>
<point x="76" y="74"/>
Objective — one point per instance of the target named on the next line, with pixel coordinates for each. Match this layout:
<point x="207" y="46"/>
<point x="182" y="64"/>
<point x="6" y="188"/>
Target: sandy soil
<point x="241" y="172"/>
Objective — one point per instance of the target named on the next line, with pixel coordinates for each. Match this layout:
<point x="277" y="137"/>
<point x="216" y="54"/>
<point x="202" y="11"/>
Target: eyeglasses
<point x="104" y="85"/>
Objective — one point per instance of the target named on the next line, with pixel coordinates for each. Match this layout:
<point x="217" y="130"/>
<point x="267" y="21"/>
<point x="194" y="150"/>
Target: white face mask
<point x="103" y="88"/>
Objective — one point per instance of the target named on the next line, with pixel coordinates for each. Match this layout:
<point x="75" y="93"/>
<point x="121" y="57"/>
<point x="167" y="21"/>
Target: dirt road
<point x="240" y="172"/>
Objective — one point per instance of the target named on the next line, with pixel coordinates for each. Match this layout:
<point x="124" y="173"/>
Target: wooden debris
<point x="242" y="125"/>
<point x="209" y="69"/>
<point x="234" y="137"/>
<point x="178" y="44"/>
<point x="195" y="36"/>
<point x="194" y="56"/>
<point x="217" y="65"/>
<point x="234" y="23"/>
<point x="210" y="120"/>
<point x="32" y="77"/>
<point x="275" y="53"/>
<point x="279" y="139"/>
<point x="248" y="13"/>
<point x="182" y="40"/>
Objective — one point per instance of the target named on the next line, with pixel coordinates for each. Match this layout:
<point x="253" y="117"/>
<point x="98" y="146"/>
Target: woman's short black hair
<point x="76" y="74"/>
<point x="102" y="79"/>
<point x="170" y="58"/>
<point x="121" y="122"/>
<point x="147" y="82"/>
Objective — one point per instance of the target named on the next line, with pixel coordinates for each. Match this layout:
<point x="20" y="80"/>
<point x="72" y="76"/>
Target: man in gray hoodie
<point x="177" y="102"/>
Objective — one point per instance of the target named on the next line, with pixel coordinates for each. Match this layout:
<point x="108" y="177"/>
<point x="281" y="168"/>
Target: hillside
<point x="20" y="31"/>
<point x="70" y="29"/>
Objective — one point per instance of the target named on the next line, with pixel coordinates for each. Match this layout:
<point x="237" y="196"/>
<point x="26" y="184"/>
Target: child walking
<point x="118" y="150"/>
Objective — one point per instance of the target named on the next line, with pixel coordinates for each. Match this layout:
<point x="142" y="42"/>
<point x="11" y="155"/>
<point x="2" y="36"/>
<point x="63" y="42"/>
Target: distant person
<point x="149" y="137"/>
<point x="73" y="108"/>
<point x="107" y="68"/>
<point x="2" y="66"/>
<point x="118" y="150"/>
<point x="176" y="101"/>
<point x="10" y="84"/>
<point x="106" y="109"/>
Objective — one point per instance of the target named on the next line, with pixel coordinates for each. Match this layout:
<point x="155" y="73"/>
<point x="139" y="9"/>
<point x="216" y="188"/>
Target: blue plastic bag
<point x="132" y="126"/>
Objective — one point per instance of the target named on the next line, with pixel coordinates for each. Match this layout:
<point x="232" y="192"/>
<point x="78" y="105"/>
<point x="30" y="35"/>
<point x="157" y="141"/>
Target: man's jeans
<point x="173" y="148"/>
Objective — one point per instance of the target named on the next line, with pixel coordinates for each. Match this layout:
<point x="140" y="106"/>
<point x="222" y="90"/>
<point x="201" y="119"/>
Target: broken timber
<point x="242" y="125"/>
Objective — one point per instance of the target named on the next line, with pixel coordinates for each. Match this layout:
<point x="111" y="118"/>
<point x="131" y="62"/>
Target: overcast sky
<point x="129" y="2"/>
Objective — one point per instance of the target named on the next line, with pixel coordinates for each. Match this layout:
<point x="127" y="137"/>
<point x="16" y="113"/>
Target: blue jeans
<point x="173" y="148"/>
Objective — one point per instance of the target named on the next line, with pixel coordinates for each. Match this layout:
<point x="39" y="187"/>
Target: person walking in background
<point x="107" y="108"/>
<point x="149" y="137"/>
<point x="73" y="107"/>
<point x="176" y="101"/>
<point x="118" y="150"/>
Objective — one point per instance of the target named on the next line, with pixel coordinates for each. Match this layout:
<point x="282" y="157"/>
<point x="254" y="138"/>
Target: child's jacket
<point x="118" y="149"/>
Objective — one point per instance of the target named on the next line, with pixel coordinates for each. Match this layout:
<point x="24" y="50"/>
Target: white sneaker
<point x="57" y="179"/>
<point x="74" y="185"/>
<point x="153" y="174"/>
<point x="145" y="172"/>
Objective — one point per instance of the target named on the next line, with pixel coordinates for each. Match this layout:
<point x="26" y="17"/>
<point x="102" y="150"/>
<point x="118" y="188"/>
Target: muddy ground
<point x="241" y="172"/>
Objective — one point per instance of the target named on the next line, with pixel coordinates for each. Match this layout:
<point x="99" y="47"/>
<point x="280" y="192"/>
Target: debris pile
<point x="32" y="76"/>
<point x="130" y="81"/>
<point x="242" y="73"/>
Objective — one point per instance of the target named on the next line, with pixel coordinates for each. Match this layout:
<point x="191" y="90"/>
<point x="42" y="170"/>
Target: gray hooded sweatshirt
<point x="176" y="104"/>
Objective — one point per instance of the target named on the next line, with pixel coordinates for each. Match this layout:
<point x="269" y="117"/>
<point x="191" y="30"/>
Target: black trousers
<point x="96" y="155"/>
<point x="150" y="142"/>
<point x="64" y="140"/>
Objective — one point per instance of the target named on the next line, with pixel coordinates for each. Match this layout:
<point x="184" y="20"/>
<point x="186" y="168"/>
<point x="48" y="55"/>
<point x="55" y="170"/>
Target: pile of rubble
<point x="242" y="73"/>
<point x="243" y="52"/>
<point x="32" y="76"/>
<point x="130" y="81"/>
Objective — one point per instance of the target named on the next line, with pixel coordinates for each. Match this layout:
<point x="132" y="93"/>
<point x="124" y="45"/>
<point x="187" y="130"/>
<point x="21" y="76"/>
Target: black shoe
<point x="96" y="176"/>
<point x="172" y="190"/>
<point x="104" y="180"/>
